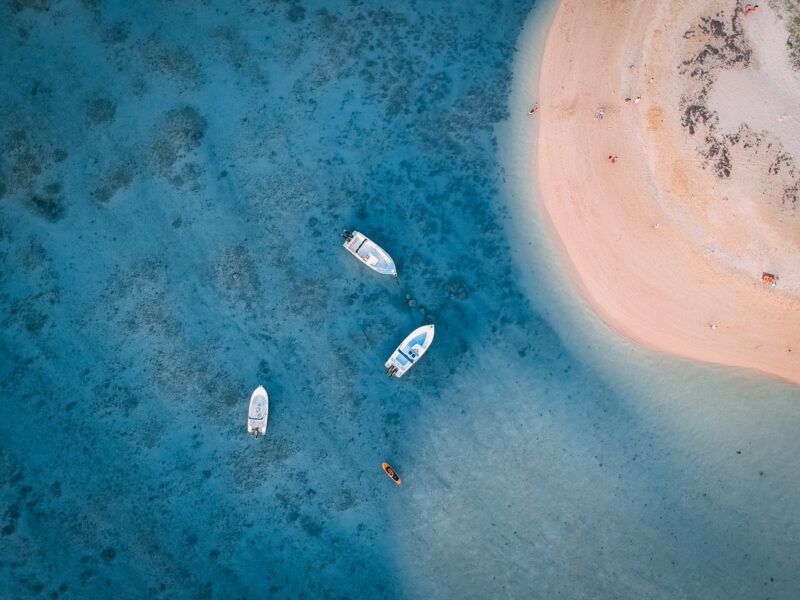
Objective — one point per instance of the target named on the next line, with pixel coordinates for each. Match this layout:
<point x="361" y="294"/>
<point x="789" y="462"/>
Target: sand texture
<point x="669" y="238"/>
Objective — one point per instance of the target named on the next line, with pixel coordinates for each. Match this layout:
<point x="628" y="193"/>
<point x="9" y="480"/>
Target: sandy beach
<point x="668" y="145"/>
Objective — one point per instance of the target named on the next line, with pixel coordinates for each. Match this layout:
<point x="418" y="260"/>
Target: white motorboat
<point x="410" y="351"/>
<point x="258" y="413"/>
<point x="368" y="252"/>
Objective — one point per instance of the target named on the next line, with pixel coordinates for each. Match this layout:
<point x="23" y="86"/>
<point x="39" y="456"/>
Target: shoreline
<point x="650" y="266"/>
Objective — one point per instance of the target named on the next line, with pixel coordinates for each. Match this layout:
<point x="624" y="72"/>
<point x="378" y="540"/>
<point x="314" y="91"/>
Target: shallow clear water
<point x="175" y="177"/>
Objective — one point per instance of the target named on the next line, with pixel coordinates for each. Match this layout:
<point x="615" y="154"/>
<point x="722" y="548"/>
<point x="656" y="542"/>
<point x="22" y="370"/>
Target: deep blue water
<point x="173" y="181"/>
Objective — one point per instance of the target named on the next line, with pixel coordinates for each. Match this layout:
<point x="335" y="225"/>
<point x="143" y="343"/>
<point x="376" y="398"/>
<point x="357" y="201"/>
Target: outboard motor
<point x="347" y="235"/>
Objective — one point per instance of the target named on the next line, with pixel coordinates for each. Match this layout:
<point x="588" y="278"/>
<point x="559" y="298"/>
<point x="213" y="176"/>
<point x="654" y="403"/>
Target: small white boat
<point x="410" y="351"/>
<point x="368" y="252"/>
<point x="258" y="413"/>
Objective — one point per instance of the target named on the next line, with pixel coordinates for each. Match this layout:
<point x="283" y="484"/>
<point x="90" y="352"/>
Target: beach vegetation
<point x="789" y="10"/>
<point x="793" y="26"/>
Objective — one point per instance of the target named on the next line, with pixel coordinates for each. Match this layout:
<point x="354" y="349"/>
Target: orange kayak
<point x="387" y="468"/>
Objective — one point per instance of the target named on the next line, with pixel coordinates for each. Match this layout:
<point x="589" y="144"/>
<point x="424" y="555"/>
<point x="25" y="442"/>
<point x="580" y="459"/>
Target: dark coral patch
<point x="100" y="111"/>
<point x="181" y="131"/>
<point x="49" y="208"/>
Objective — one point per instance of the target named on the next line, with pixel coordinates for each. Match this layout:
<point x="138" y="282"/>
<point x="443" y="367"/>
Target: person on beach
<point x="534" y="109"/>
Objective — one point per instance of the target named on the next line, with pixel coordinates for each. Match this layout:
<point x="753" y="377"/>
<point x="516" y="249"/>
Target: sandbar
<point x="666" y="164"/>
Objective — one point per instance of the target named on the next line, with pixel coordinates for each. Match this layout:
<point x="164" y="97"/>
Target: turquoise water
<point x="173" y="181"/>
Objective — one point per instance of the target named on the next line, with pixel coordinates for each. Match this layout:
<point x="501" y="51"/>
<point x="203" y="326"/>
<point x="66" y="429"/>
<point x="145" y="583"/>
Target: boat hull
<point x="410" y="351"/>
<point x="388" y="469"/>
<point x="369" y="253"/>
<point x="258" y="413"/>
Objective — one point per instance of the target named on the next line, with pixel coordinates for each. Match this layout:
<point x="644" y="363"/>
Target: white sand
<point x="669" y="243"/>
